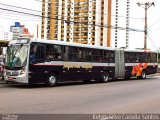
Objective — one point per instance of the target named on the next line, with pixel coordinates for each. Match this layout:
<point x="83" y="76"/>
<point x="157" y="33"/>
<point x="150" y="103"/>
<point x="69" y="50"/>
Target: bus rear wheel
<point x="51" y="80"/>
<point x="104" y="77"/>
<point x="143" y="75"/>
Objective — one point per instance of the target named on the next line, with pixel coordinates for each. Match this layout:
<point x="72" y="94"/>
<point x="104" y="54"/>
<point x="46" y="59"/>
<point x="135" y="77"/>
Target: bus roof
<point x="58" y="42"/>
<point x="140" y="50"/>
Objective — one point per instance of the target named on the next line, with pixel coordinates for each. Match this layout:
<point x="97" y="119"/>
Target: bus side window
<point x="97" y="55"/>
<point x="137" y="57"/>
<point x="153" y="57"/>
<point x="149" y="57"/>
<point x="49" y="55"/>
<point x="57" y="52"/>
<point x="53" y="52"/>
<point x="70" y="53"/>
<point x="86" y="55"/>
<point x="39" y="53"/>
<point x="108" y="56"/>
<point x="126" y="57"/>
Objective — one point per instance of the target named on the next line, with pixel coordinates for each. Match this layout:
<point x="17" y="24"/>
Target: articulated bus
<point x="50" y="61"/>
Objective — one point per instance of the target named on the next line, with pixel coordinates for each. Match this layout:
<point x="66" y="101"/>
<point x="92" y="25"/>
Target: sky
<point x="136" y="39"/>
<point x="9" y="18"/>
<point x="153" y="39"/>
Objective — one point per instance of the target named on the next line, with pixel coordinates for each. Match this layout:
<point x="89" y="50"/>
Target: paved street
<point x="131" y="96"/>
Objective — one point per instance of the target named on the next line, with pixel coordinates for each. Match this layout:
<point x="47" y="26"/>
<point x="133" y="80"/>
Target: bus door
<point x="119" y="64"/>
<point x="36" y="63"/>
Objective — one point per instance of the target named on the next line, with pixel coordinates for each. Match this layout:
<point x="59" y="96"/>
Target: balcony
<point x="81" y="6"/>
<point x="81" y="30"/>
<point x="79" y="1"/>
<point x="81" y="11"/>
<point x="80" y="41"/>
<point x="80" y="16"/>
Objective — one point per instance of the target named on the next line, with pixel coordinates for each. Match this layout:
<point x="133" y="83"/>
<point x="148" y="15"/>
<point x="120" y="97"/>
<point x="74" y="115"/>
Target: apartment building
<point x="93" y="22"/>
<point x="78" y="21"/>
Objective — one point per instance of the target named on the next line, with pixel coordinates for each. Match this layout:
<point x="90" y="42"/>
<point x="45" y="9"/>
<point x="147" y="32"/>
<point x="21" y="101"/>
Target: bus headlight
<point x="23" y="71"/>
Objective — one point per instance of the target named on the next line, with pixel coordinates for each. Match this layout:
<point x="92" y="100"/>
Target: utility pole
<point x="146" y="6"/>
<point x="37" y="30"/>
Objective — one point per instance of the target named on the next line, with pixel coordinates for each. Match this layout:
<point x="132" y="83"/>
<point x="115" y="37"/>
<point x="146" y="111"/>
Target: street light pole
<point x="146" y="6"/>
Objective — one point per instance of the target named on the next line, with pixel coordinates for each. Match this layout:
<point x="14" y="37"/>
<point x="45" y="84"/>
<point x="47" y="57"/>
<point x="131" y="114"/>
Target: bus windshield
<point x="16" y="56"/>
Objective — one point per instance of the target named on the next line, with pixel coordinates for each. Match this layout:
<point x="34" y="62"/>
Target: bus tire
<point x="51" y="80"/>
<point x="104" y="77"/>
<point x="143" y="74"/>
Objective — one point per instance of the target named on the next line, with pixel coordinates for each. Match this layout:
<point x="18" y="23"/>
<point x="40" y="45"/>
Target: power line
<point x="19" y="7"/>
<point x="27" y="9"/>
<point x="6" y="13"/>
<point x="42" y="1"/>
<point x="121" y="16"/>
<point x="154" y="23"/>
<point x="24" y="8"/>
<point x="20" y="12"/>
<point x="151" y="41"/>
<point x="96" y="12"/>
<point x="18" y="19"/>
<point x="67" y="21"/>
<point x="54" y="14"/>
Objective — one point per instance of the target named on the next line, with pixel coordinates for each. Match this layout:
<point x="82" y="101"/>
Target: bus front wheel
<point x="104" y="77"/>
<point x="51" y="80"/>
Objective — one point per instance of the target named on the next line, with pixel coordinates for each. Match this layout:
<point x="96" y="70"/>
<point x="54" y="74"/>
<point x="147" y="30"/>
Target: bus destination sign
<point x="20" y="41"/>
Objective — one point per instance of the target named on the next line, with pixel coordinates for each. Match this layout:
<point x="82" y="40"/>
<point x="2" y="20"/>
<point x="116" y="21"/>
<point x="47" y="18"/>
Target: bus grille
<point x="12" y="73"/>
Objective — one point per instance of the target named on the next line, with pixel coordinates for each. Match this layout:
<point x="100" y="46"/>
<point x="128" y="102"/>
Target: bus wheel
<point x="52" y="80"/>
<point x="143" y="75"/>
<point x="105" y="77"/>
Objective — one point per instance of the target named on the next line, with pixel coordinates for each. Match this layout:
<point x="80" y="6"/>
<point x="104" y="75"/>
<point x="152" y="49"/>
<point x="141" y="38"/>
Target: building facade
<point x="78" y="21"/>
<point x="120" y="33"/>
<point x="93" y="22"/>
